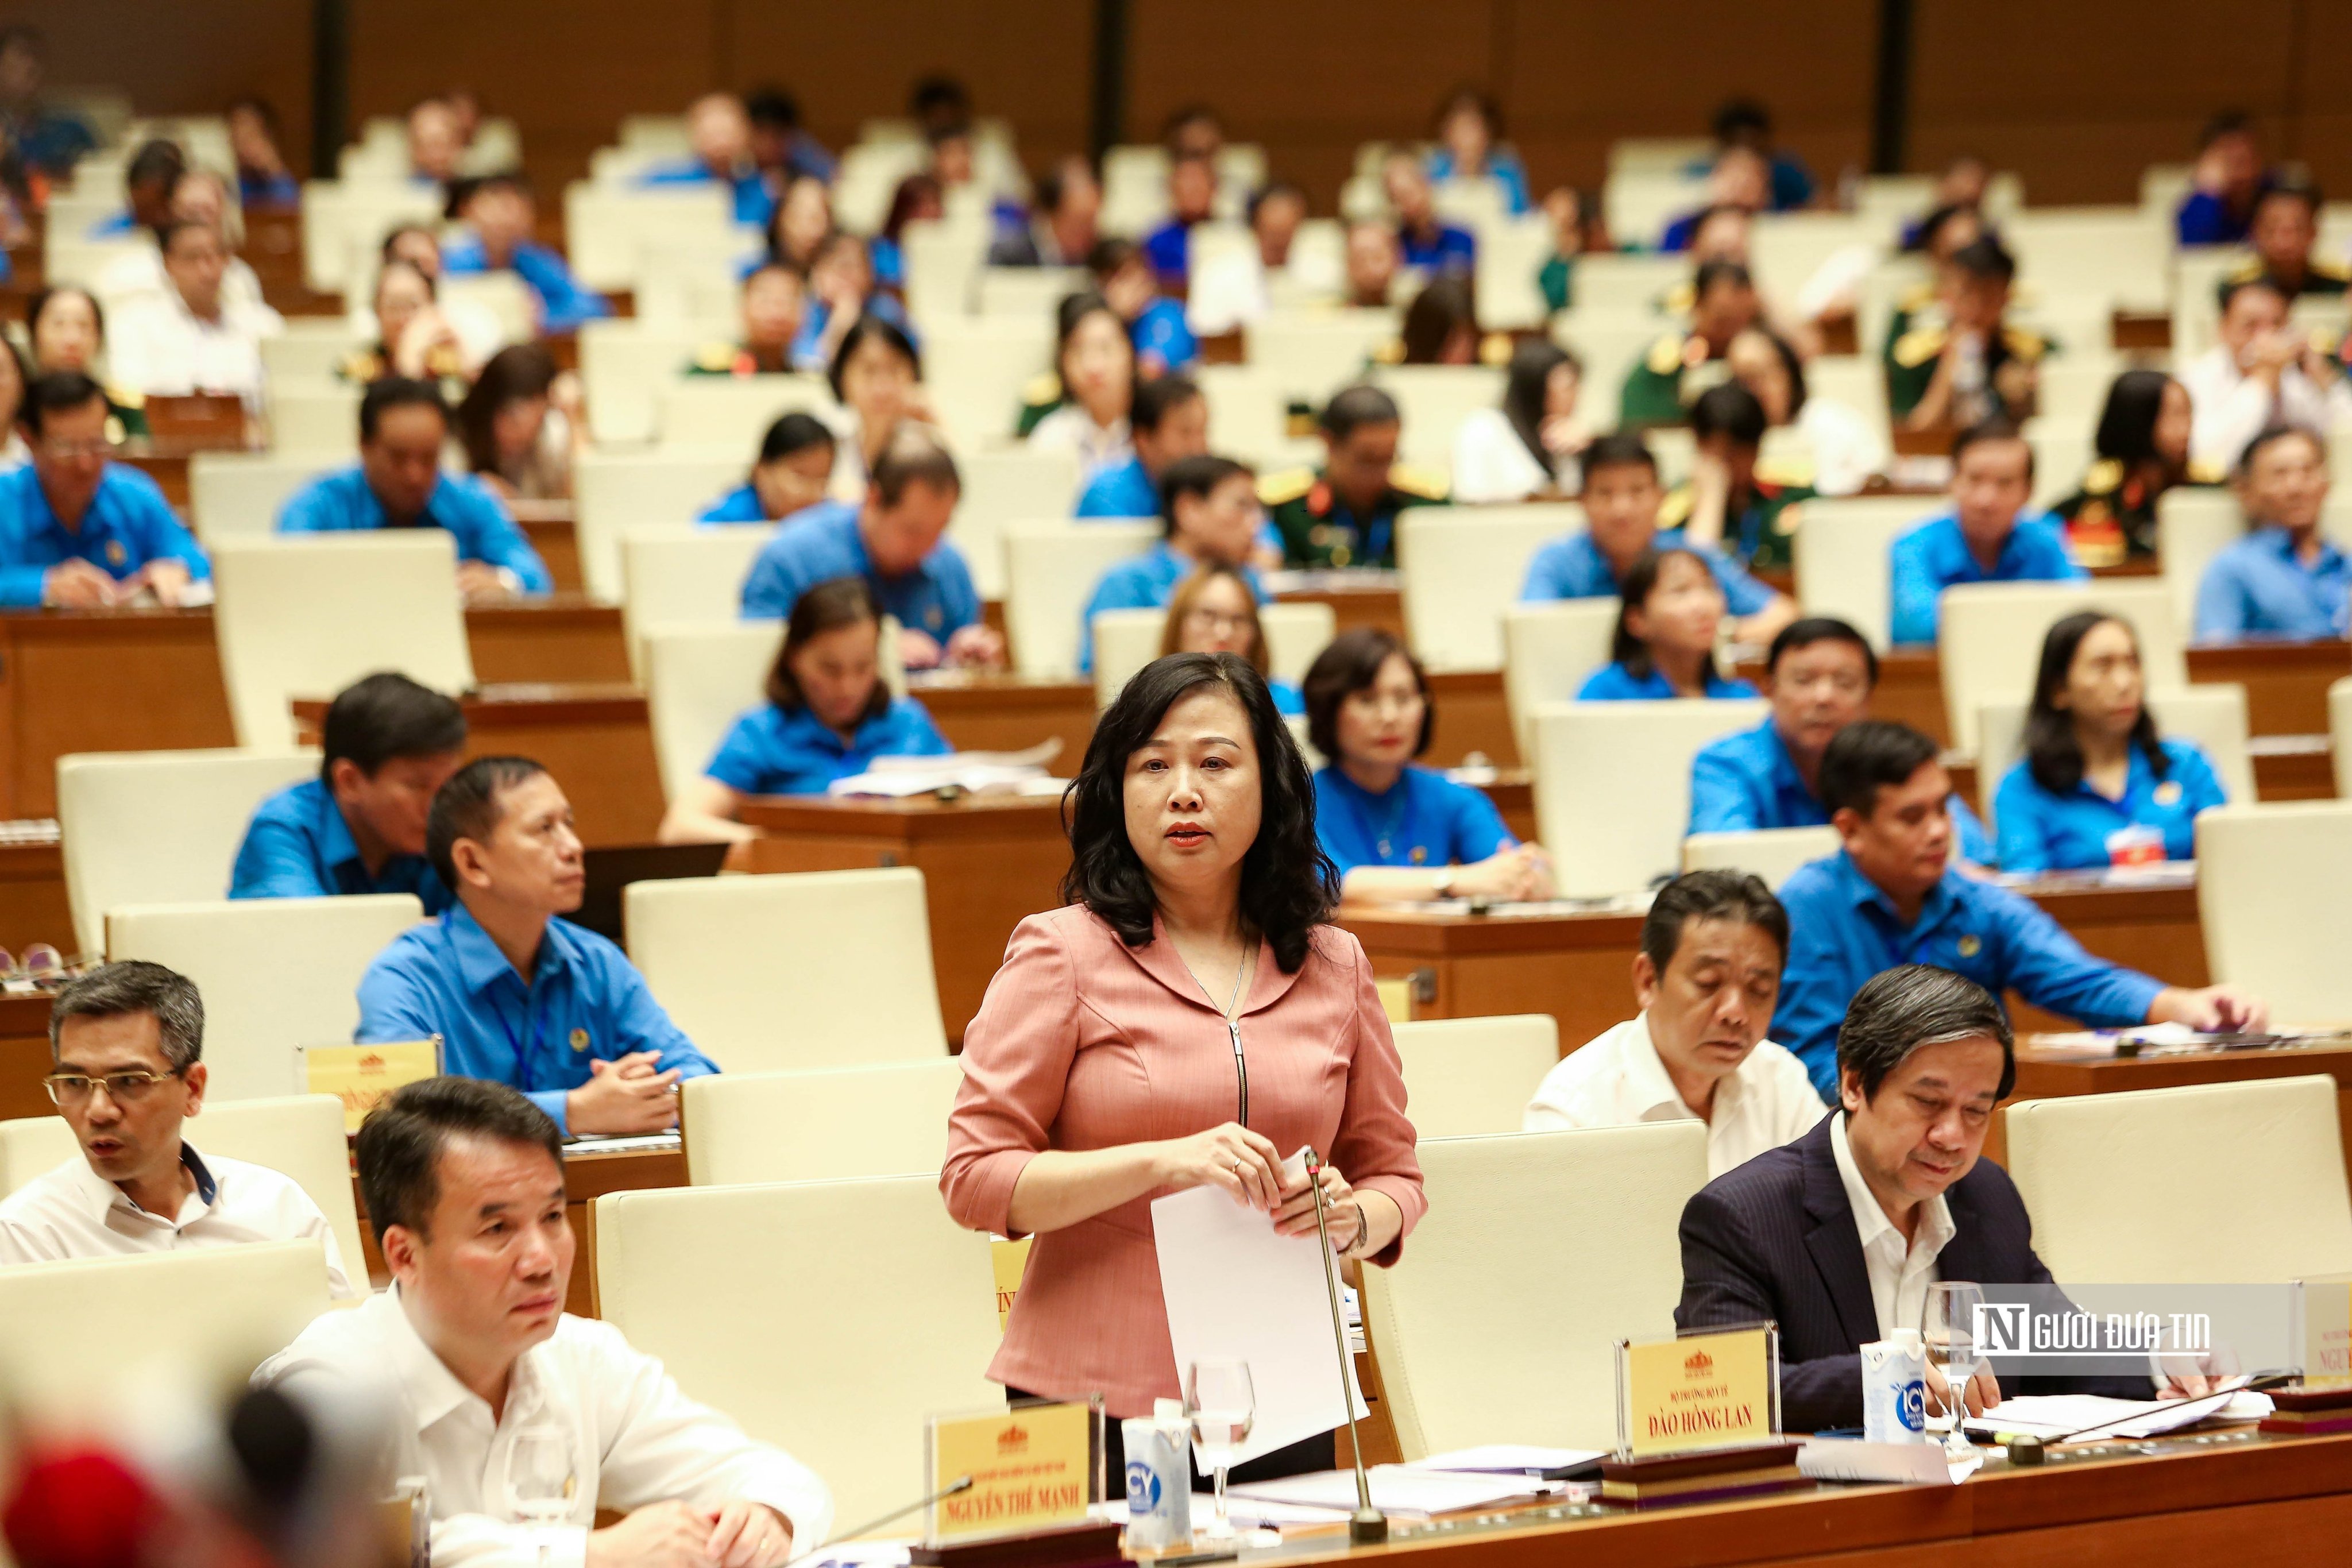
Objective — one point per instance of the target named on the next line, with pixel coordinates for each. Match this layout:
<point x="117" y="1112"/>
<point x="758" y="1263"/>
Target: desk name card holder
<point x="1035" y="1478"/>
<point x="1687" y="1392"/>
<point x="361" y="1077"/>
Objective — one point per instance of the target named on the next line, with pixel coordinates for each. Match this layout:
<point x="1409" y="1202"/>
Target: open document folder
<point x="975" y="773"/>
<point x="2070" y="1417"/>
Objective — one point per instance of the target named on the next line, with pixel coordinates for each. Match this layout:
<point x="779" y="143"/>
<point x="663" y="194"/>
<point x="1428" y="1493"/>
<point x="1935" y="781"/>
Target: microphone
<point x="1366" y="1526"/>
<point x="960" y="1484"/>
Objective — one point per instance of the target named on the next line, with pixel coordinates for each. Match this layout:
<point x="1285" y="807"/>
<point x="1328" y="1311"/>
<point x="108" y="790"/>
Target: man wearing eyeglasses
<point x="78" y="530"/>
<point x="124" y="1047"/>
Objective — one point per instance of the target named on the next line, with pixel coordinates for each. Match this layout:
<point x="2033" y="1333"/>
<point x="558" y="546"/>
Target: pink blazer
<point x="1084" y="1043"/>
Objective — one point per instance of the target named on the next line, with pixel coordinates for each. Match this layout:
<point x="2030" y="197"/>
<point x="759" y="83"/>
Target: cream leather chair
<point x="681" y="574"/>
<point x="297" y="1135"/>
<point x="1000" y="490"/>
<point x="1612" y="785"/>
<point x="1312" y="354"/>
<point x="239" y="494"/>
<point x="811" y="970"/>
<point x="1992" y="633"/>
<point x="1051" y="570"/>
<point x="1462" y="569"/>
<point x="1249" y="417"/>
<point x="863" y="1312"/>
<point x="1296" y="632"/>
<point x="614" y="492"/>
<point x="623" y="365"/>
<point x="2269" y="886"/>
<point x="1840" y="558"/>
<point x="1029" y="293"/>
<point x="825" y="1124"/>
<point x="158" y="827"/>
<point x="1481" y="1340"/>
<point x="308" y="349"/>
<point x="1471" y="1076"/>
<point x="2339" y="732"/>
<point x="2118" y="253"/>
<point x="2213" y="716"/>
<point x="277" y="974"/>
<point x="1626" y="280"/>
<point x="1434" y="399"/>
<point x="2192" y="526"/>
<point x="1548" y="650"/>
<point x="229" y="1309"/>
<point x="305" y="616"/>
<point x="974" y="368"/>
<point x="322" y="421"/>
<point x="734" y="411"/>
<point x="1774" y="854"/>
<point x="607" y="227"/>
<point x="337" y="212"/>
<point x="698" y="680"/>
<point x="1126" y="641"/>
<point x="2218" y="1183"/>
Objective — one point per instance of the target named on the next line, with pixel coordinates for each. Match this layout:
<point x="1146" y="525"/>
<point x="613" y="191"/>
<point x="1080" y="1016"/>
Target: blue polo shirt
<point x="1503" y="166"/>
<point x="1747" y="783"/>
<point x="2259" y="587"/>
<point x="1451" y="250"/>
<point x="1422" y="819"/>
<point x="128" y="525"/>
<point x="821" y="543"/>
<point x="2044" y="832"/>
<point x="1124" y="489"/>
<point x="563" y="303"/>
<point x="1163" y="340"/>
<point x="1843" y="931"/>
<point x="298" y="845"/>
<point x="1169" y="249"/>
<point x="1572" y="567"/>
<point x="342" y="502"/>
<point x="1935" y="556"/>
<point x="740" y="504"/>
<point x="755" y="204"/>
<point x="771" y="750"/>
<point x="584" y="1001"/>
<point x="1145" y="581"/>
<point x="1615" y="683"/>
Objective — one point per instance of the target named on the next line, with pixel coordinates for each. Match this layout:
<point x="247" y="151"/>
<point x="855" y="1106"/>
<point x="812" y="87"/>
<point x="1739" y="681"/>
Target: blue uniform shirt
<point x="2204" y="218"/>
<point x="1450" y="249"/>
<point x="1503" y="166"/>
<point x="1288" y="701"/>
<point x="1423" y="819"/>
<point x="127" y="524"/>
<point x="584" y="1001"/>
<point x="1747" y="783"/>
<point x="1843" y="931"/>
<point x="1169" y="249"/>
<point x="740" y="504"/>
<point x="342" y="502"/>
<point x="755" y="204"/>
<point x="821" y="543"/>
<point x="298" y="845"/>
<point x="2259" y="587"/>
<point x="772" y="751"/>
<point x="563" y="303"/>
<point x="808" y="351"/>
<point x="1572" y="567"/>
<point x="1124" y="489"/>
<point x="2044" y="832"/>
<point x="1615" y="683"/>
<point x="1145" y="581"/>
<point x="1163" y="340"/>
<point x="1935" y="556"/>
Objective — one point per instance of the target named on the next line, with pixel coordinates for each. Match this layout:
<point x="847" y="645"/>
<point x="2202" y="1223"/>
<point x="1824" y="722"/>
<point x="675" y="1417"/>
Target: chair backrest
<point x="2340" y="733"/>
<point x="733" y="411"/>
<point x="812" y="970"/>
<point x="613" y="492"/>
<point x="1124" y="641"/>
<point x="1840" y="559"/>
<point x="623" y="365"/>
<point x="158" y="827"/>
<point x="606" y="229"/>
<point x="863" y="1313"/>
<point x="1548" y="650"/>
<point x="684" y="574"/>
<point x="321" y="419"/>
<point x="1990" y="635"/>
<point x="2193" y="525"/>
<point x="1296" y="632"/>
<point x="1051" y="570"/>
<point x="337" y="213"/>
<point x="1434" y="399"/>
<point x="2214" y="1184"/>
<point x="1311" y="355"/>
<point x="276" y="974"/>
<point x="1001" y="489"/>
<point x="698" y="680"/>
<point x="825" y="1124"/>
<point x="307" y="350"/>
<point x="1467" y="1078"/>
<point x="2267" y="884"/>
<point x="2118" y="253"/>
<point x="297" y="1135"/>
<point x="974" y="368"/>
<point x="229" y="1309"/>
<point x="1480" y="1340"/>
<point x="2213" y="716"/>
<point x="1462" y="569"/>
<point x="1771" y="853"/>
<point x="1612" y="785"/>
<point x="239" y="494"/>
<point x="305" y="616"/>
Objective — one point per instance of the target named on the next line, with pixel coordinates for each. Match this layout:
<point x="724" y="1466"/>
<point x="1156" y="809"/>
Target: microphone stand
<point x="1366" y="1526"/>
<point x="960" y="1484"/>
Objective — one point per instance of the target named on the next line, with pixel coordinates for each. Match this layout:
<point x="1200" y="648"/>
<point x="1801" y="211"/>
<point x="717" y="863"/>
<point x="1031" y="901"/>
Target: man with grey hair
<point x="1837" y="1237"/>
<point x="126" y="1044"/>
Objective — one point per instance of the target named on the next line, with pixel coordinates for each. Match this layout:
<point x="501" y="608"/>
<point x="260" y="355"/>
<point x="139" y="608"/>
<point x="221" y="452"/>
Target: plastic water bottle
<point x="1159" y="1478"/>
<point x="1895" y="1388"/>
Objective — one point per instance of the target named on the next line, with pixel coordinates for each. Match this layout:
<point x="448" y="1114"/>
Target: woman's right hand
<point x="1520" y="874"/>
<point x="1242" y="1163"/>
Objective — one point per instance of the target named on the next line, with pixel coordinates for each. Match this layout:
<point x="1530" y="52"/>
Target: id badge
<point x="2138" y="845"/>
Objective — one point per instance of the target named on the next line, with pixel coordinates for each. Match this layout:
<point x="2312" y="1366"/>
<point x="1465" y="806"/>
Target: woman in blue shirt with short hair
<point x="1399" y="832"/>
<point x="1669" y="610"/>
<point x="790" y="474"/>
<point x="827" y="716"/>
<point x="2097" y="786"/>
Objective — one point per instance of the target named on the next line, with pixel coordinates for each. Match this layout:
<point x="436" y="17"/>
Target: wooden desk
<point x="1473" y="720"/>
<point x="33" y="890"/>
<point x="547" y="524"/>
<point x="987" y="863"/>
<point x="565" y="638"/>
<point x="991" y="710"/>
<point x="24" y="1057"/>
<point x="2286" y="767"/>
<point x="1357" y="598"/>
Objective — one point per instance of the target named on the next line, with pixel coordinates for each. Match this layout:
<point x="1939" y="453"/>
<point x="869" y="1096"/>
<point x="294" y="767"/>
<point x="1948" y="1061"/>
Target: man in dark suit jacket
<point x="1922" y="1058"/>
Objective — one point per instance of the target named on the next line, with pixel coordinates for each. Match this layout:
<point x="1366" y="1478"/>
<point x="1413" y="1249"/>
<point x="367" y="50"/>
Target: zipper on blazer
<point x="1241" y="1067"/>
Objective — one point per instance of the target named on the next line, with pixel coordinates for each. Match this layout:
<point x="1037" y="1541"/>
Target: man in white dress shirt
<point x="464" y="1183"/>
<point x="1708" y="978"/>
<point x="195" y="336"/>
<point x="125" y="1044"/>
<point x="2261" y="372"/>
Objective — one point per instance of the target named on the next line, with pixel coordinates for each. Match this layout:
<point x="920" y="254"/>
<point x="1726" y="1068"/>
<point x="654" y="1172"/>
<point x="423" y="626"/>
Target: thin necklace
<point x="1241" y="973"/>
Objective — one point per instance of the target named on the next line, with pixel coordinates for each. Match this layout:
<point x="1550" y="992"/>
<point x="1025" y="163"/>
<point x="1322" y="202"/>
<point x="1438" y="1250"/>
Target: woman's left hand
<point x="1340" y="1217"/>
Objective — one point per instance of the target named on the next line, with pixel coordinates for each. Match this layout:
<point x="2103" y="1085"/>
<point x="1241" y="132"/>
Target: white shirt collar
<point x="102" y="1196"/>
<point x="1898" y="1273"/>
<point x="434" y="1390"/>
<point x="1645" y="1073"/>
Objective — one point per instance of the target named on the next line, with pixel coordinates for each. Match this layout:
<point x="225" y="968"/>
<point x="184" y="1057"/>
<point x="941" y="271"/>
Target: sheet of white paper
<point x="1237" y="1290"/>
<point x="1840" y="1459"/>
<point x="2062" y="1416"/>
<point x="1397" y="1490"/>
<point x="1035" y="756"/>
<point x="1509" y="1459"/>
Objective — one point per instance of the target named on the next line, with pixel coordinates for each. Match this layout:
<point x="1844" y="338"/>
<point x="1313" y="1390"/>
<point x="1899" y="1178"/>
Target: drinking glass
<point x="540" y="1479"/>
<point x="1221" y="1405"/>
<point x="1949" y="1325"/>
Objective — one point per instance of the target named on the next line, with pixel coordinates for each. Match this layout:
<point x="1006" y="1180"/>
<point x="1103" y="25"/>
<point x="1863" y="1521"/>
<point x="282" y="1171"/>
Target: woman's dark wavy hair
<point x="2127" y="420"/>
<point x="1641" y="581"/>
<point x="1289" y="885"/>
<point x="1524" y="386"/>
<point x="2052" y="754"/>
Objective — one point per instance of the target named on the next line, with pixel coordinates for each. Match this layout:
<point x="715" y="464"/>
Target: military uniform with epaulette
<point x="126" y="414"/>
<point x="2111" y="519"/>
<point x="2320" y="281"/>
<point x="443" y="364"/>
<point x="1666" y="381"/>
<point x="1915" y="342"/>
<point x="1762" y="535"/>
<point x="1039" y="398"/>
<point x="1319" y="529"/>
<point x="738" y="359"/>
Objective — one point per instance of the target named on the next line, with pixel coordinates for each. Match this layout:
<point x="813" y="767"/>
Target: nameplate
<point x="1698" y="1390"/>
<point x="361" y="1076"/>
<point x="1011" y="1259"/>
<point x="1031" y="1469"/>
<point x="2324" y="1329"/>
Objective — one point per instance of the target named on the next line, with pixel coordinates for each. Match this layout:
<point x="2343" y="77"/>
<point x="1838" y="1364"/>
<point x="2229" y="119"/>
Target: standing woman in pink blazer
<point x="1189" y="1018"/>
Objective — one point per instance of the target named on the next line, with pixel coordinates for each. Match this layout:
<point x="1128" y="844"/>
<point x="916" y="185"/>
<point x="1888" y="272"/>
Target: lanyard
<point x="534" y="1007"/>
<point x="1391" y="826"/>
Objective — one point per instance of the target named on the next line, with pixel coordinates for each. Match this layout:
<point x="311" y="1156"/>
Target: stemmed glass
<point x="1949" y="1325"/>
<point x="540" y="1479"/>
<point x="1221" y="1405"/>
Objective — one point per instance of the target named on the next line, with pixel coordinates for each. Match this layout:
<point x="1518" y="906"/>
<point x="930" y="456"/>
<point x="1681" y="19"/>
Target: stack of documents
<point x="2066" y="1417"/>
<point x="1400" y="1491"/>
<point x="975" y="773"/>
<point x="1514" y="1459"/>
